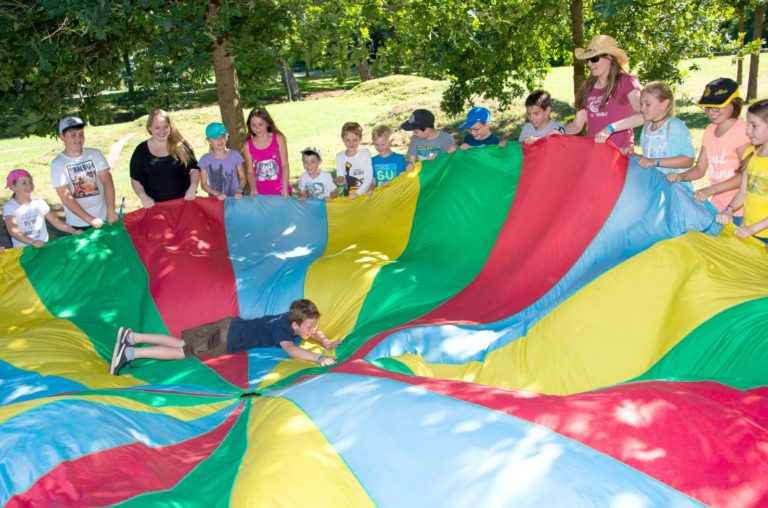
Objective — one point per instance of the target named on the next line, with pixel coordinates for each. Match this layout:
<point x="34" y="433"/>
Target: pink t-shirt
<point x="723" y="158"/>
<point x="268" y="167"/>
<point x="616" y="108"/>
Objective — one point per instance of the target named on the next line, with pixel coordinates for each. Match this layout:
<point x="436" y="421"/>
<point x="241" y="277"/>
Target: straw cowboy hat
<point x="602" y="45"/>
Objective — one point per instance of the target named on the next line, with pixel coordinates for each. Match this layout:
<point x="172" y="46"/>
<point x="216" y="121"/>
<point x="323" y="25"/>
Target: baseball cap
<point x="719" y="93"/>
<point x="14" y="175"/>
<point x="476" y="114"/>
<point x="69" y="122"/>
<point x="420" y="119"/>
<point x="215" y="130"/>
<point x="311" y="150"/>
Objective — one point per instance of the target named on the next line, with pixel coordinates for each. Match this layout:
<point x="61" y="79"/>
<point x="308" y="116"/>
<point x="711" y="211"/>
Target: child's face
<point x="218" y="144"/>
<point x="381" y="144"/>
<point x="73" y="140"/>
<point x="159" y="129"/>
<point x="306" y="329"/>
<point x="311" y="164"/>
<point x="258" y="126"/>
<point x="651" y="108"/>
<point x="351" y="141"/>
<point x="719" y="115"/>
<point x="757" y="129"/>
<point x="420" y="133"/>
<point x="23" y="185"/>
<point x="480" y="130"/>
<point x="538" y="116"/>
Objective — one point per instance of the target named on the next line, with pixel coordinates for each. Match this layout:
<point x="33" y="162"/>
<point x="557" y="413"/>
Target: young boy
<point x="479" y="125"/>
<point x="82" y="179"/>
<point x="426" y="142"/>
<point x="221" y="169"/>
<point x="387" y="165"/>
<point x="353" y="166"/>
<point x="229" y="335"/>
<point x="538" y="106"/>
<point x="314" y="182"/>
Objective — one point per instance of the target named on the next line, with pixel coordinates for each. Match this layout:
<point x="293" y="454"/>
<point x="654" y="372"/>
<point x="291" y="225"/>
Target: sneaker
<point x="119" y="359"/>
<point x="119" y="340"/>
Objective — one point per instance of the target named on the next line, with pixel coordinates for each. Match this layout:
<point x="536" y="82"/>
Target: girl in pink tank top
<point x="266" y="155"/>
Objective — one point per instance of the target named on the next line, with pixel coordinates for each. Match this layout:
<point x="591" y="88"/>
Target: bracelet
<point x="657" y="163"/>
<point x="611" y="128"/>
<point x="319" y="357"/>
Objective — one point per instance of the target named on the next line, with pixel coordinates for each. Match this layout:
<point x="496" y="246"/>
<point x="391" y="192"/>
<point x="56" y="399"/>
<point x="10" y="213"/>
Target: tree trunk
<point x="228" y="91"/>
<point x="740" y="61"/>
<point x="364" y="71"/>
<point x="289" y="81"/>
<point x="754" y="59"/>
<point x="577" y="32"/>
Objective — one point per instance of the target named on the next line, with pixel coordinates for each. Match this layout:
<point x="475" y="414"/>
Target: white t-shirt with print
<point x="81" y="174"/>
<point x="320" y="187"/>
<point x="30" y="219"/>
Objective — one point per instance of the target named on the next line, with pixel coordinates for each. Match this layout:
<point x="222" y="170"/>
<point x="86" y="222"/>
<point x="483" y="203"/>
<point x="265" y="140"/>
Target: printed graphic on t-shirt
<point x="222" y="179"/>
<point x="385" y="172"/>
<point x="354" y="177"/>
<point x="267" y="170"/>
<point x="83" y="177"/>
<point x="758" y="184"/>
<point x="29" y="223"/>
<point x="315" y="190"/>
<point x="425" y="152"/>
<point x="593" y="105"/>
<point x="716" y="171"/>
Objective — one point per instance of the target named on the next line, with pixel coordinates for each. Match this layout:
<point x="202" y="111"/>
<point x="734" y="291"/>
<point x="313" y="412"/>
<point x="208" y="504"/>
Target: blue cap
<point x="476" y="114"/>
<point x="215" y="130"/>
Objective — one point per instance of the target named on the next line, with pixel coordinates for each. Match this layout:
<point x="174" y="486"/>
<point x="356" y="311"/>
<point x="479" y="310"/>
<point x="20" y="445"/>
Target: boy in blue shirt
<point x="479" y="125"/>
<point x="229" y="335"/>
<point x="387" y="165"/>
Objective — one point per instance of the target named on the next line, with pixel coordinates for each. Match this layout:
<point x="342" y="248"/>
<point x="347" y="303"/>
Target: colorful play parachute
<point x="548" y="325"/>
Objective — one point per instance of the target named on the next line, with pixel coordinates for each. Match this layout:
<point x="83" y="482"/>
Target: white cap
<point x="70" y="121"/>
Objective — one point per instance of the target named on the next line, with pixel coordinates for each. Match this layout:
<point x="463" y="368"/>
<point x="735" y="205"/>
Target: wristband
<point x="319" y="357"/>
<point x="611" y="128"/>
<point x="657" y="163"/>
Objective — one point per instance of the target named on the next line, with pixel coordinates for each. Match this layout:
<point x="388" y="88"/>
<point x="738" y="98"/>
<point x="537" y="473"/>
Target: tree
<point x="754" y="58"/>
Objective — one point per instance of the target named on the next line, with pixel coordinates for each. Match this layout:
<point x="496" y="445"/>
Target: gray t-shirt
<point x="81" y="175"/>
<point x="424" y="148"/>
<point x="530" y="131"/>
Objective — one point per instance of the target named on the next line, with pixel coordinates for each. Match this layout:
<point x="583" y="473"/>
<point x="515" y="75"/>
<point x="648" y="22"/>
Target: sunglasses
<point x="596" y="58"/>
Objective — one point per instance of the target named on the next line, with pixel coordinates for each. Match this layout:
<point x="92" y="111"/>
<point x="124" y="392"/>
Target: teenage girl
<point x="666" y="141"/>
<point x="722" y="145"/>
<point x="609" y="100"/>
<point x="752" y="195"/>
<point x="25" y="216"/>
<point x="266" y="155"/>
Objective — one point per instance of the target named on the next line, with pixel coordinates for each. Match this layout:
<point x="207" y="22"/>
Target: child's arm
<point x="695" y="172"/>
<point x="302" y="354"/>
<point x="325" y="341"/>
<point x="240" y="181"/>
<point x="61" y="225"/>
<point x="737" y="202"/>
<point x="15" y="232"/>
<point x="679" y="161"/>
<point x="576" y="125"/>
<point x="733" y="182"/>
<point x="70" y="202"/>
<point x="249" y="175"/>
<point x="194" y="181"/>
<point x="283" y="147"/>
<point x="752" y="229"/>
<point x="108" y="185"/>
<point x="629" y="122"/>
<point x="207" y="188"/>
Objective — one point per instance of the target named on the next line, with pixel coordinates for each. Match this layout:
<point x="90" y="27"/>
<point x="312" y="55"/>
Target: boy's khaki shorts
<point x="209" y="339"/>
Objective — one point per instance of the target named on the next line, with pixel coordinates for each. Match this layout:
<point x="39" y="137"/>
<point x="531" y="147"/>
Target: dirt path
<point x="117" y="147"/>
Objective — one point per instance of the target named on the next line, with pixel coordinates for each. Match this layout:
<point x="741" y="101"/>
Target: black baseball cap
<point x="420" y="119"/>
<point x="719" y="93"/>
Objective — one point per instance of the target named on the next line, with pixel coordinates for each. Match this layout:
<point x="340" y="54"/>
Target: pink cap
<point x="14" y="175"/>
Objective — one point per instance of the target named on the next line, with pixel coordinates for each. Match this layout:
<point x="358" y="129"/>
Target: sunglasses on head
<point x="596" y="58"/>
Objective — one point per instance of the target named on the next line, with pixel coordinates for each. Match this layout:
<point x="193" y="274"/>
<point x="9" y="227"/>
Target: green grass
<point x="317" y="121"/>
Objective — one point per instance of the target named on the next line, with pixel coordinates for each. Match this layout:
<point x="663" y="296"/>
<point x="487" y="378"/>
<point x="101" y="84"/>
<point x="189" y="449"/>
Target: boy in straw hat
<point x="609" y="100"/>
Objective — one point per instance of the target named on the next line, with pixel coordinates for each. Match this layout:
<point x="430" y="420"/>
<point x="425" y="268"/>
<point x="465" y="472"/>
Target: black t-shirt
<point x="163" y="178"/>
<point x="267" y="331"/>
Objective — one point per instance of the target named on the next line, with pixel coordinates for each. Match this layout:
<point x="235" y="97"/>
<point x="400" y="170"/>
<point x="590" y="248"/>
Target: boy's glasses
<point x="710" y="110"/>
<point x="595" y="58"/>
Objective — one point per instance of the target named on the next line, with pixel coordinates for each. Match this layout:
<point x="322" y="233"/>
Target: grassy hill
<point x="317" y="121"/>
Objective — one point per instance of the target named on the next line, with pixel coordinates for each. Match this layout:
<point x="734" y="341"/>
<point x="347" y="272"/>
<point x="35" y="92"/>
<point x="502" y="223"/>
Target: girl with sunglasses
<point x="722" y="146"/>
<point x="609" y="100"/>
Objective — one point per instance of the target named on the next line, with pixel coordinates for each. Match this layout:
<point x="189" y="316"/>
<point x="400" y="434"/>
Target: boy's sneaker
<point x="119" y="360"/>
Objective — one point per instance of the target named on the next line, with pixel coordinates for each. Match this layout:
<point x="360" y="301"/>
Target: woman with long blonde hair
<point x="164" y="166"/>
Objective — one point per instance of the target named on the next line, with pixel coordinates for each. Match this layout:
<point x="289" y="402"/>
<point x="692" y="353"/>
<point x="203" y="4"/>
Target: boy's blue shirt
<point x="388" y="168"/>
<point x="493" y="139"/>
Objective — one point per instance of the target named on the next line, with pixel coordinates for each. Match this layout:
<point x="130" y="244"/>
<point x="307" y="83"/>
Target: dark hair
<point x="301" y="310"/>
<point x="540" y="98"/>
<point x="614" y="74"/>
<point x="264" y="115"/>
<point x="737" y="103"/>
